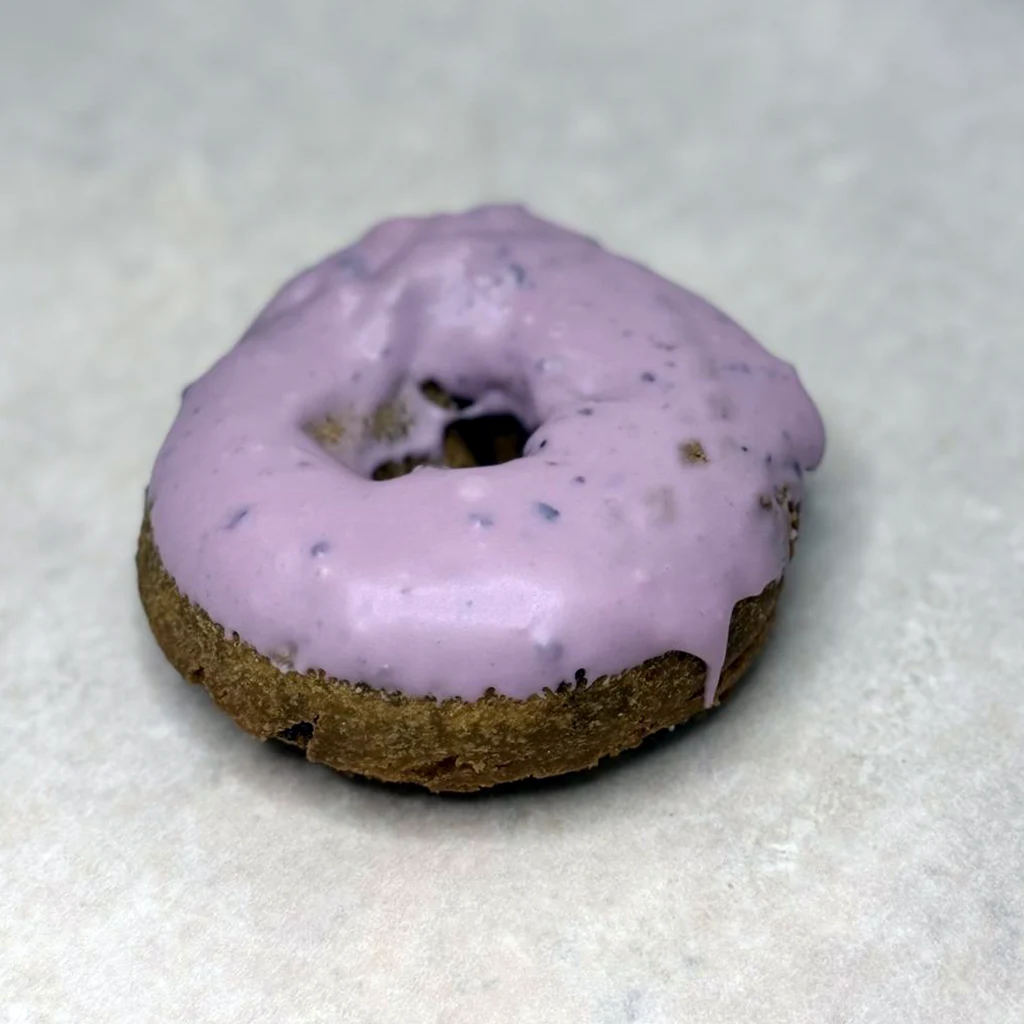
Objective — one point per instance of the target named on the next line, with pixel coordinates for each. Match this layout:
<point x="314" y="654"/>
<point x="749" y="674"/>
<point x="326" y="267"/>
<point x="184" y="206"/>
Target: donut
<point x="475" y="500"/>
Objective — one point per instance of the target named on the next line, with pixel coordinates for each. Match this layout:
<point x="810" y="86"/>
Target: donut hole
<point x="468" y="441"/>
<point x="476" y="440"/>
<point x="485" y="440"/>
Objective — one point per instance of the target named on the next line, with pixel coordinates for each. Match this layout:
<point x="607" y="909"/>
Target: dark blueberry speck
<point x="768" y="459"/>
<point x="744" y="448"/>
<point x="549" y="512"/>
<point x="299" y="734"/>
<point x="321" y="547"/>
<point x="586" y="412"/>
<point x="579" y="479"/>
<point x="303" y="464"/>
<point x="647" y="377"/>
<point x="352" y="262"/>
<point x="518" y="272"/>
<point x="481" y="520"/>
<point x="236" y="518"/>
<point x="542" y="445"/>
<point x="798" y="469"/>
<point x="627" y="333"/>
<point x="550" y="651"/>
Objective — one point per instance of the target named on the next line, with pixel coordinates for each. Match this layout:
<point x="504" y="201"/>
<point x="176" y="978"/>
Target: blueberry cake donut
<point x="475" y="500"/>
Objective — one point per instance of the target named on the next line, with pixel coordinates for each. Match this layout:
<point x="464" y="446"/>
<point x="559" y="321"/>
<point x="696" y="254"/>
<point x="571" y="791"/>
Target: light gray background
<point x="845" y="841"/>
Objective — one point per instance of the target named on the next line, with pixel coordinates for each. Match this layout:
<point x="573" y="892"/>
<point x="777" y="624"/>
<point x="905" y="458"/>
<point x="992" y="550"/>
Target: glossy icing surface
<point x="644" y="507"/>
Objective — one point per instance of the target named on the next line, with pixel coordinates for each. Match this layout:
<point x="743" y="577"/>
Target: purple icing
<point x="450" y="581"/>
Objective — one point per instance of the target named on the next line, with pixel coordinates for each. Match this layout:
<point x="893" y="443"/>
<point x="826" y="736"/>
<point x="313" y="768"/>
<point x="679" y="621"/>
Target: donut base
<point x="451" y="745"/>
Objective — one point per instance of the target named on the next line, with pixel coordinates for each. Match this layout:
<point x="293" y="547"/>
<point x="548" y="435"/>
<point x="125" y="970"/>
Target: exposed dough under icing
<point x="649" y="500"/>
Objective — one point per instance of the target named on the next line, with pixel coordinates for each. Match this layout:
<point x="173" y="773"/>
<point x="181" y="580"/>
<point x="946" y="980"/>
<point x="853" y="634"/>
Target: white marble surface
<point x="845" y="841"/>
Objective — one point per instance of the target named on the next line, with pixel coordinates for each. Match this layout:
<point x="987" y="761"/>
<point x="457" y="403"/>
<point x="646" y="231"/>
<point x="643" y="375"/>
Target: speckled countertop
<point x="844" y="842"/>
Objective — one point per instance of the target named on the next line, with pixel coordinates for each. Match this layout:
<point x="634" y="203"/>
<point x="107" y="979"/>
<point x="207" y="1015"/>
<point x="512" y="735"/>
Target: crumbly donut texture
<point x="452" y="745"/>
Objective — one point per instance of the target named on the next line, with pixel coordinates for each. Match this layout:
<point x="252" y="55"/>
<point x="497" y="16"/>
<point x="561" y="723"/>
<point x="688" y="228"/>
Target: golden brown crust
<point x="452" y="745"/>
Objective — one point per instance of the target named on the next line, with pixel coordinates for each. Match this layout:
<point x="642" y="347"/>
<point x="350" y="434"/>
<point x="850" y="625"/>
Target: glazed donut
<point x="474" y="500"/>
